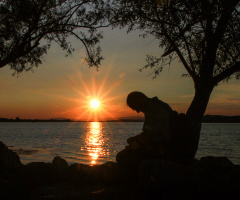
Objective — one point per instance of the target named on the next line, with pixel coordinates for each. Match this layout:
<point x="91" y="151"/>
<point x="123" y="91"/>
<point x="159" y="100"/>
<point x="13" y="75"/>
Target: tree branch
<point x="175" y="47"/>
<point x="229" y="7"/>
<point x="86" y="47"/>
<point x="228" y="72"/>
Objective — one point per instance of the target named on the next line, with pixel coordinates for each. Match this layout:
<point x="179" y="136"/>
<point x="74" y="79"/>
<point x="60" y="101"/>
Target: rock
<point x="8" y="189"/>
<point x="216" y="163"/>
<point x="162" y="172"/>
<point x="59" y="163"/>
<point x="39" y="173"/>
<point x="60" y="168"/>
<point x="220" y="178"/>
<point x="80" y="172"/>
<point x="209" y="178"/>
<point x="8" y="159"/>
<point x="110" y="172"/>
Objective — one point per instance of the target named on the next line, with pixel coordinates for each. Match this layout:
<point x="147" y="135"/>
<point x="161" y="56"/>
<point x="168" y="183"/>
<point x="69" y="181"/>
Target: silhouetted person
<point x="156" y="127"/>
<point x="155" y="140"/>
<point x="157" y="113"/>
<point x="166" y="134"/>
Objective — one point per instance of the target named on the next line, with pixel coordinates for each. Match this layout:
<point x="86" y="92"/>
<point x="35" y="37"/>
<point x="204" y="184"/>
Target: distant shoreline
<point x="49" y="120"/>
<point x="66" y="120"/>
<point x="206" y="119"/>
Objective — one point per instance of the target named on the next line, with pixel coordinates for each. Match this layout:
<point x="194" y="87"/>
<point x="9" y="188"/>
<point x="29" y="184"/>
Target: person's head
<point x="136" y="100"/>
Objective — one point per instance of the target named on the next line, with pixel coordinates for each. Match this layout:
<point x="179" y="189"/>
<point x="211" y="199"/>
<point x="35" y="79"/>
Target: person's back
<point x="157" y="116"/>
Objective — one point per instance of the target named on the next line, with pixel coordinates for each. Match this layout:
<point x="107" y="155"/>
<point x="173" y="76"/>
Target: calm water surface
<point x="98" y="142"/>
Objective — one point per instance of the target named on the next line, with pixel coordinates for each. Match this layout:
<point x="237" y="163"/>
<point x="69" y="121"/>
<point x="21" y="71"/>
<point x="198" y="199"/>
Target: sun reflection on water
<point x="94" y="141"/>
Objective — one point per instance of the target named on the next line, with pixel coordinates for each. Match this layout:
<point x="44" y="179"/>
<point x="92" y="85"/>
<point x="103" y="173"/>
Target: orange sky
<point x="63" y="87"/>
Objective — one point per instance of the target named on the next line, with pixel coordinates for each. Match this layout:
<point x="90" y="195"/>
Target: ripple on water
<point x="100" y="142"/>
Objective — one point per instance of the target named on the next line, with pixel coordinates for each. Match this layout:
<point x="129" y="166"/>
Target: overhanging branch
<point x="228" y="72"/>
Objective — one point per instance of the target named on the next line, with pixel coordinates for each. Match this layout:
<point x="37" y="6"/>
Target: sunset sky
<point x="63" y="87"/>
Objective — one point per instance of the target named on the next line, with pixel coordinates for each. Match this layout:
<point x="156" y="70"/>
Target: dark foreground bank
<point x="207" y="178"/>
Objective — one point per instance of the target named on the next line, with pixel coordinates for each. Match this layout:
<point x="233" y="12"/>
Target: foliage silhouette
<point x="29" y="27"/>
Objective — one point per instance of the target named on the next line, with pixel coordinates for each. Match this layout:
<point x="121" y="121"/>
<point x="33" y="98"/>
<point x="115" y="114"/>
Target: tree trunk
<point x="195" y="114"/>
<point x="199" y="103"/>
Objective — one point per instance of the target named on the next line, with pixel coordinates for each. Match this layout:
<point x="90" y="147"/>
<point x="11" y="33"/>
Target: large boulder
<point x="9" y="160"/>
<point x="59" y="163"/>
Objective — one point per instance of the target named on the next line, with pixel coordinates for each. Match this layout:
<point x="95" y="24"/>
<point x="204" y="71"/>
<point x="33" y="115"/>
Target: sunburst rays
<point x="90" y="90"/>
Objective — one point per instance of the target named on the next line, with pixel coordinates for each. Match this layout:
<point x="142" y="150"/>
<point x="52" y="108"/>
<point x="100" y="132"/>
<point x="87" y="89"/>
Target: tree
<point x="203" y="34"/>
<point x="28" y="28"/>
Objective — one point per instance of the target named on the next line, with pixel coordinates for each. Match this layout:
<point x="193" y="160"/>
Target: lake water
<point x="98" y="142"/>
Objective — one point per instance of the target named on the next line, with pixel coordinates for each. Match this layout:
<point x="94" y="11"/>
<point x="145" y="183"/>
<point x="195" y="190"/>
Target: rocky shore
<point x="207" y="178"/>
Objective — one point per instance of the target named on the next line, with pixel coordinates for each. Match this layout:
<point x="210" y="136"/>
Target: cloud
<point x="176" y="103"/>
<point x="234" y="99"/>
<point x="225" y="108"/>
<point x="187" y="96"/>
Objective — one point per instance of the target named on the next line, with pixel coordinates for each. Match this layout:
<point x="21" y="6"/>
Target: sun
<point x="94" y="103"/>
